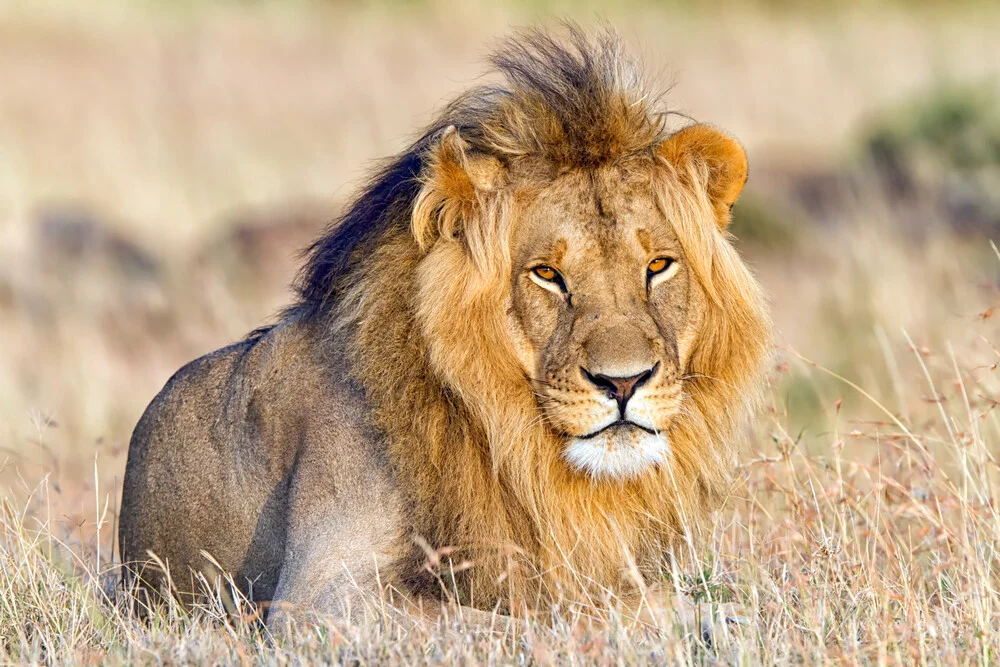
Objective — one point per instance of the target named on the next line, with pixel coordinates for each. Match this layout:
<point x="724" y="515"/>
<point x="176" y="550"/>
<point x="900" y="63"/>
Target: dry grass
<point x="874" y="541"/>
<point x="865" y="526"/>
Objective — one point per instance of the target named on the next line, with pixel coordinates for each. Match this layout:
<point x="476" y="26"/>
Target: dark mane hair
<point x="575" y="102"/>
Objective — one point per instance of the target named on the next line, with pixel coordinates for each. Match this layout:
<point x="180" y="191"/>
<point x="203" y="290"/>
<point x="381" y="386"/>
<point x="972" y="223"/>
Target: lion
<point x="515" y="371"/>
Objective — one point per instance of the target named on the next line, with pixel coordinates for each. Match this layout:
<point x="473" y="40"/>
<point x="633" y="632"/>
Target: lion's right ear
<point x="457" y="185"/>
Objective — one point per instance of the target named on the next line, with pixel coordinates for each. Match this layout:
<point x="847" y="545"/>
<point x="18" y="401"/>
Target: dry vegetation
<point x="159" y="162"/>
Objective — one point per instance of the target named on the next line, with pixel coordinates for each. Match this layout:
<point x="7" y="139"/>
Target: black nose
<point x="620" y="388"/>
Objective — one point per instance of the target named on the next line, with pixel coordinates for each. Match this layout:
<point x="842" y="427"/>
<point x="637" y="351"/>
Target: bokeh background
<point x="162" y="162"/>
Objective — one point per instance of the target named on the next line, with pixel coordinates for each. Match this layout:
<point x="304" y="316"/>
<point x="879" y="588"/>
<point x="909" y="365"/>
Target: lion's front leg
<point x="346" y="536"/>
<point x="323" y="580"/>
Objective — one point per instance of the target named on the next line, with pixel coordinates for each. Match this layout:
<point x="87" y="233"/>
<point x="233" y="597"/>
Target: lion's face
<point x="611" y="287"/>
<point x="604" y="312"/>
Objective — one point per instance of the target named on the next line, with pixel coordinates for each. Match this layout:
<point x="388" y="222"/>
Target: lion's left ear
<point x="720" y="155"/>
<point x="457" y="182"/>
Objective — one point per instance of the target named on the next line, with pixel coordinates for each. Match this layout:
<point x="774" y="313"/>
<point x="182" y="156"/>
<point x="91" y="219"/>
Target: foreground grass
<point x="877" y="543"/>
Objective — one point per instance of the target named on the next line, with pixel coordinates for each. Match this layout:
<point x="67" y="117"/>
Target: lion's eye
<point x="660" y="269"/>
<point x="546" y="272"/>
<point x="659" y="264"/>
<point x="548" y="278"/>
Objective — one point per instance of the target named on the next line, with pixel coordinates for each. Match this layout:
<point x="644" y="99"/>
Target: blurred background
<point x="161" y="162"/>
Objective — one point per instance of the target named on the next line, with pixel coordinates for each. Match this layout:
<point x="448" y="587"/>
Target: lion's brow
<point x="598" y="197"/>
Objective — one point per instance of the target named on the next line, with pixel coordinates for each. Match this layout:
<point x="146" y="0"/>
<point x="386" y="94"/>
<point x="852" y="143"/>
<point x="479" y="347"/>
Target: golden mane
<point x="416" y="277"/>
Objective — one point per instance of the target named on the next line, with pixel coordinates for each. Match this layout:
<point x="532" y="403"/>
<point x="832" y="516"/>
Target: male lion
<point x="528" y="340"/>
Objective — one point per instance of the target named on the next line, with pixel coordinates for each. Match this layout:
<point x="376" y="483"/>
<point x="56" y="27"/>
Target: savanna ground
<point x="160" y="162"/>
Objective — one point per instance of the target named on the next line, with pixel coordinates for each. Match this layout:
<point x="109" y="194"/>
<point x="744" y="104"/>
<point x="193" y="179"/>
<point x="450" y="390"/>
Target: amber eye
<point x="660" y="270"/>
<point x="659" y="265"/>
<point x="549" y="278"/>
<point x="546" y="273"/>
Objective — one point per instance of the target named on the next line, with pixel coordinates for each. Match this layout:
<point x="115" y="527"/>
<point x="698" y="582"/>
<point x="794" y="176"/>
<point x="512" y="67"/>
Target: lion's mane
<point x="417" y="282"/>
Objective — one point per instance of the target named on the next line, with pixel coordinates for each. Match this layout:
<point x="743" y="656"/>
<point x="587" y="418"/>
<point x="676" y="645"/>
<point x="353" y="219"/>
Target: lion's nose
<point x="621" y="389"/>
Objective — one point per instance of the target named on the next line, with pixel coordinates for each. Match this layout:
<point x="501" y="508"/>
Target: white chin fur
<point x="617" y="454"/>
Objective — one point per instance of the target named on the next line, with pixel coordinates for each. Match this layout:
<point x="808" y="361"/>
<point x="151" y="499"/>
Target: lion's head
<point x="541" y="291"/>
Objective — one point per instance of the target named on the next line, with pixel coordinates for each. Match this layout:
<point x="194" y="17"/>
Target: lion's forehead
<point x="588" y="214"/>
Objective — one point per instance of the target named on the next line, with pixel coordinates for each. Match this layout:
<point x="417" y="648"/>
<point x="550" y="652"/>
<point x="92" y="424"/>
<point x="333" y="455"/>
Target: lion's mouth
<point x="621" y="423"/>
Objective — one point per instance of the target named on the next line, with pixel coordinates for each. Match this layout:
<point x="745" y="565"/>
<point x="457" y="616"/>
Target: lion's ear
<point x="721" y="156"/>
<point x="458" y="179"/>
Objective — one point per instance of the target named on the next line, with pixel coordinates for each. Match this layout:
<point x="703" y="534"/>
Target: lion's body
<point x="393" y="408"/>
<point x="244" y="470"/>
